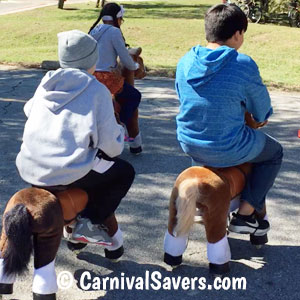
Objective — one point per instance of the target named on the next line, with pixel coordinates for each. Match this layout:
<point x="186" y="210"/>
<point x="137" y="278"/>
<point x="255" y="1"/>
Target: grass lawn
<point x="165" y="30"/>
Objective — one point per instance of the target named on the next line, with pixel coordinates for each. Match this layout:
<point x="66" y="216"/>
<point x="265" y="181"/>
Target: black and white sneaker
<point x="248" y="224"/>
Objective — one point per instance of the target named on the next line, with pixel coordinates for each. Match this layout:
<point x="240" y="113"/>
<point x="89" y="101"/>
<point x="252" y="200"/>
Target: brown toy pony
<point x="210" y="190"/>
<point x="129" y="77"/>
<point x="33" y="220"/>
<point x="140" y="73"/>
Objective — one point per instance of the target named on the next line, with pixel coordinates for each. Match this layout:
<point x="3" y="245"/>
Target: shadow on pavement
<point x="253" y="265"/>
<point x="272" y="272"/>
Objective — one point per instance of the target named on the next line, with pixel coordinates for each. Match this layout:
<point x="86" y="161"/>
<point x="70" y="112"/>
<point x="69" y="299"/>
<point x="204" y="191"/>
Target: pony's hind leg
<point x="46" y="241"/>
<point x="174" y="246"/>
<point x="15" y="243"/>
<point x="182" y="210"/>
<point x="215" y="220"/>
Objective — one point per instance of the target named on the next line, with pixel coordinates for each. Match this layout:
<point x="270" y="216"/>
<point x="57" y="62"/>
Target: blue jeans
<point x="129" y="99"/>
<point x="265" y="168"/>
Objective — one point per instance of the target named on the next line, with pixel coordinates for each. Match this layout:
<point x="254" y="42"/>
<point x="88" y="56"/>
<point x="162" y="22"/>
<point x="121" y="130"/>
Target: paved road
<point x="13" y="6"/>
<point x="272" y="272"/>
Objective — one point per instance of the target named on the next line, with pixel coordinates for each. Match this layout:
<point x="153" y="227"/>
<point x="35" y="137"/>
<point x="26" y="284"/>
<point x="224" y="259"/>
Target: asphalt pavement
<point x="272" y="272"/>
<point x="13" y="6"/>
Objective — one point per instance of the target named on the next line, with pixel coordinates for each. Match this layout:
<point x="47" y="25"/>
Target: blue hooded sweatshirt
<point x="215" y="89"/>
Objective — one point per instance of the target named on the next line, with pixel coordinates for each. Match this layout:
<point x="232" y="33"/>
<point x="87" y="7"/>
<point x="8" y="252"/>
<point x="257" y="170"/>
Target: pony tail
<point x="188" y="193"/>
<point x="96" y="23"/>
<point x="17" y="227"/>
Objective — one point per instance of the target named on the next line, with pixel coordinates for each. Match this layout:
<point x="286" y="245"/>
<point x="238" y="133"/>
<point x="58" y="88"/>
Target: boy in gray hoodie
<point x="71" y="139"/>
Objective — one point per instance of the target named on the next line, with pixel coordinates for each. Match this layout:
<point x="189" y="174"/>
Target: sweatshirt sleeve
<point x="28" y="107"/>
<point x="110" y="133"/>
<point x="258" y="101"/>
<point x="119" y="45"/>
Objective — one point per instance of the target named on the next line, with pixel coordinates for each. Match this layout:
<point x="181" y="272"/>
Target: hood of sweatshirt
<point x="99" y="30"/>
<point x="202" y="64"/>
<point x="60" y="87"/>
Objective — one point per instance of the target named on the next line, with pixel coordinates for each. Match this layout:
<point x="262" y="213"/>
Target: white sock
<point x="44" y="280"/>
<point x="175" y="246"/>
<point x="4" y="278"/>
<point x="117" y="241"/>
<point x="137" y="142"/>
<point x="219" y="252"/>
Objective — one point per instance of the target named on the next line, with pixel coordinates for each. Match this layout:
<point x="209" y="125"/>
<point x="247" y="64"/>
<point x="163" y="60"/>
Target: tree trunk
<point x="102" y="3"/>
<point x="61" y="4"/>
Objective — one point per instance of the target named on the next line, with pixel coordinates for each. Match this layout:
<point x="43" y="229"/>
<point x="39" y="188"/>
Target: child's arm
<point x="258" y="101"/>
<point x="110" y="133"/>
<point x="123" y="53"/>
<point x="249" y="120"/>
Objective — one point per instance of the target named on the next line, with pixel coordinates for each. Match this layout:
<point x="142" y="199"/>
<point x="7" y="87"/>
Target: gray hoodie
<point x="70" y="118"/>
<point x="111" y="45"/>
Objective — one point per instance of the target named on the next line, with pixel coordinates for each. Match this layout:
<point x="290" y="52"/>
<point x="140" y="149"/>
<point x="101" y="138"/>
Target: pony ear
<point x="135" y="51"/>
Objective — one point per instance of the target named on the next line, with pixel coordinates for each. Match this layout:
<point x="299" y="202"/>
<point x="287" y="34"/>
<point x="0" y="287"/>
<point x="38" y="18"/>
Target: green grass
<point x="165" y="30"/>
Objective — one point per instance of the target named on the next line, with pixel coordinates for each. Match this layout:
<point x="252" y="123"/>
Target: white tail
<point x="188" y="193"/>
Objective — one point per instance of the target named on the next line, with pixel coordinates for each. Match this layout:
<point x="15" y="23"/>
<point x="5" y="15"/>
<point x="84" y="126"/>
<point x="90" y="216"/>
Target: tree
<point x="102" y="3"/>
<point x="61" y="4"/>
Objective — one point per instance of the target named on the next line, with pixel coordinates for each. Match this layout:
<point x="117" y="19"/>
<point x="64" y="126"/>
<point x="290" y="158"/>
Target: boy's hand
<point x="249" y="120"/>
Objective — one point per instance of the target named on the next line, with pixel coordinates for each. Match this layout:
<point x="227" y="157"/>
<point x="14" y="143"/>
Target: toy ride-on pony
<point x="214" y="192"/>
<point x="130" y="76"/>
<point x="33" y="220"/>
<point x="209" y="190"/>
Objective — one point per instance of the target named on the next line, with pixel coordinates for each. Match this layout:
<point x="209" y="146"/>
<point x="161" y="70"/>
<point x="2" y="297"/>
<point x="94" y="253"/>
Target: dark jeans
<point x="105" y="190"/>
<point x="265" y="168"/>
<point x="129" y="99"/>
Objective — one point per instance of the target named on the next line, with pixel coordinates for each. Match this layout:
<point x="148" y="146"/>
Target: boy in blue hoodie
<point x="216" y="86"/>
<point x="71" y="139"/>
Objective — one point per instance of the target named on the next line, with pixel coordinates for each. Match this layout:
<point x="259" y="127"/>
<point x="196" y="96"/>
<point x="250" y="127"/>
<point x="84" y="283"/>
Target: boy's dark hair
<point x="222" y="21"/>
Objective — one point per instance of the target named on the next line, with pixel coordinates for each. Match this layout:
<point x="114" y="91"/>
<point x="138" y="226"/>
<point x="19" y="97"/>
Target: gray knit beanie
<point x="77" y="49"/>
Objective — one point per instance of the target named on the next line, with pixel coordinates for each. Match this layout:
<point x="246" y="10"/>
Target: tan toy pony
<point x="214" y="192"/>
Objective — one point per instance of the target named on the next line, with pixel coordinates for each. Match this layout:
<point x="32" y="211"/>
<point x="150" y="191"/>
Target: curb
<point x="50" y="65"/>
